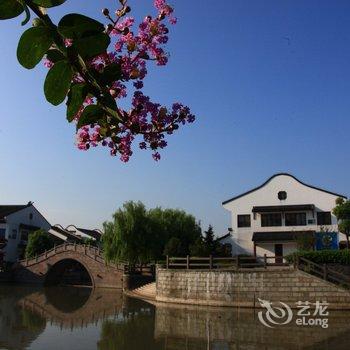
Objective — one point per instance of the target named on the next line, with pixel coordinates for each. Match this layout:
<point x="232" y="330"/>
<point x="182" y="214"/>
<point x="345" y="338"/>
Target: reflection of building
<point x="16" y="223"/>
<point x="272" y="218"/>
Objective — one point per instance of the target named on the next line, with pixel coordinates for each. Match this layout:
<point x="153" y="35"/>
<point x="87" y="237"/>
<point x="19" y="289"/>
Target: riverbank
<point x="245" y="288"/>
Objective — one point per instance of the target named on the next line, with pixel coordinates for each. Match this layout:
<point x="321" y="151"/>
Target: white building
<point x="270" y="219"/>
<point x="16" y="223"/>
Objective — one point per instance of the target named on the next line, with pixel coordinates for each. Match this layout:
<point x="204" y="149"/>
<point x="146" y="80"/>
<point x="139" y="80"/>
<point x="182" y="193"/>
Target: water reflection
<point x="79" y="318"/>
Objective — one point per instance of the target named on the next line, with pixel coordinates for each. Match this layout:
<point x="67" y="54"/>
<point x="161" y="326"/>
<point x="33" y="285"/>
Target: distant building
<point x="72" y="234"/>
<point x="271" y="219"/>
<point x="95" y="234"/>
<point x="16" y="223"/>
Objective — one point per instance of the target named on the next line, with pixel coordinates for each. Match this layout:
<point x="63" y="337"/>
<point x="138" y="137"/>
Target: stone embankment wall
<point x="244" y="288"/>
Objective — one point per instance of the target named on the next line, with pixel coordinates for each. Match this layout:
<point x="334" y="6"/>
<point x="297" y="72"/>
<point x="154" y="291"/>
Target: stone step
<point x="148" y="290"/>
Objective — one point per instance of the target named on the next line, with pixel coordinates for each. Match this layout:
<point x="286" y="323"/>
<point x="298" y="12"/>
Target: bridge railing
<point x="224" y="263"/>
<point x="323" y="271"/>
<point x="90" y="251"/>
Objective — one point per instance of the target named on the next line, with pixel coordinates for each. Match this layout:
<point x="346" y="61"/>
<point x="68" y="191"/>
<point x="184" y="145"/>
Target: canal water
<point x="79" y="318"/>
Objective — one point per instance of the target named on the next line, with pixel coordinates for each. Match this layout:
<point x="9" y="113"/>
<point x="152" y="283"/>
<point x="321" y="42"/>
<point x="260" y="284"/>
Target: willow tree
<point x="128" y="237"/>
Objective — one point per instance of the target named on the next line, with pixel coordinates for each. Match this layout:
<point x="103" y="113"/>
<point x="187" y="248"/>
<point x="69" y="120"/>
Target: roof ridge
<point x="281" y="174"/>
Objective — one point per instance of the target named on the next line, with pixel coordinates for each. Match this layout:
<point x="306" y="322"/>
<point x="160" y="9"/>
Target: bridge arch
<point x="69" y="271"/>
<point x="43" y="268"/>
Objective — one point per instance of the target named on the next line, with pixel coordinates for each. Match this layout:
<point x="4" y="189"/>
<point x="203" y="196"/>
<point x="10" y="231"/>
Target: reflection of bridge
<point x="49" y="266"/>
<point x="73" y="307"/>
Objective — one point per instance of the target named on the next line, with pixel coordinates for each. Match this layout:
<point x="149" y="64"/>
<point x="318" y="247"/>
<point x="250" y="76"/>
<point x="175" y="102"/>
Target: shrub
<point x="38" y="242"/>
<point x="341" y="257"/>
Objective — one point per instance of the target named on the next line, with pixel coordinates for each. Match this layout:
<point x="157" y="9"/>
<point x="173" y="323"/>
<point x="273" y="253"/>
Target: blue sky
<point x="268" y="80"/>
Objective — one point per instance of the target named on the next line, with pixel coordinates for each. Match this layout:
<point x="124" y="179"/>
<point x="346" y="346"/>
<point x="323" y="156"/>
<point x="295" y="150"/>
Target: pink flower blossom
<point x="145" y="120"/>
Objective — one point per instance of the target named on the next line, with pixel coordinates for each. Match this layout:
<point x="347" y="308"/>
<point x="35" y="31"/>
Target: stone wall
<point x="229" y="288"/>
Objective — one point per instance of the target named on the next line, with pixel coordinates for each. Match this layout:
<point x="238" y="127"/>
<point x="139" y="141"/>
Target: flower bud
<point x="134" y="74"/>
<point x="127" y="9"/>
<point x="113" y="93"/>
<point x="105" y="12"/>
<point x="161" y="16"/>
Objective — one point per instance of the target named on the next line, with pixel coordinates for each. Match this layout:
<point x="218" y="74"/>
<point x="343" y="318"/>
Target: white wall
<point x="13" y="222"/>
<point x="297" y="194"/>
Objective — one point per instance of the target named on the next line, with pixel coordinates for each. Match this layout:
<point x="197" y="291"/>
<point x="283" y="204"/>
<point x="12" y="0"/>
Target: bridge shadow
<point x="71" y="307"/>
<point x="68" y="272"/>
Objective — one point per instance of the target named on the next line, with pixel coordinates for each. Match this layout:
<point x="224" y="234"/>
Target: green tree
<point x="342" y="212"/>
<point x="128" y="236"/>
<point x="89" y="241"/>
<point x="173" y="247"/>
<point x="137" y="235"/>
<point x="212" y="245"/>
<point x="38" y="242"/>
<point x="199" y="248"/>
<point x="168" y="223"/>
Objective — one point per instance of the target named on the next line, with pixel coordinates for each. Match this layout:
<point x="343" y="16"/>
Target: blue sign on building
<point x="327" y="240"/>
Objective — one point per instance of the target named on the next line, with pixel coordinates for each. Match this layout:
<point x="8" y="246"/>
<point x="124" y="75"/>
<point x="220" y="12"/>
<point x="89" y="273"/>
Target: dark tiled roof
<point x="279" y="174"/>
<point x="92" y="233"/>
<point x="282" y="236"/>
<point x="70" y="235"/>
<point x="223" y="237"/>
<point x="6" y="210"/>
<point x="279" y="208"/>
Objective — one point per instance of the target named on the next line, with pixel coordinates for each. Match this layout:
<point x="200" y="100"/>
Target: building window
<point x="271" y="219"/>
<point x="13" y="234"/>
<point x="31" y="216"/>
<point x="24" y="235"/>
<point x="295" y="219"/>
<point x="282" y="195"/>
<point x="324" y="218"/>
<point x="2" y="233"/>
<point x="243" y="220"/>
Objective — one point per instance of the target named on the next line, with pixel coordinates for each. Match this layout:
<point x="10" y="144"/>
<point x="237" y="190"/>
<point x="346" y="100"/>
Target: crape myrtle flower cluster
<point x="133" y="49"/>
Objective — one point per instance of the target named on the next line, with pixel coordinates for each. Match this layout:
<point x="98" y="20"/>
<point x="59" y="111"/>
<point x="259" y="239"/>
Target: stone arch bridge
<point x="49" y="265"/>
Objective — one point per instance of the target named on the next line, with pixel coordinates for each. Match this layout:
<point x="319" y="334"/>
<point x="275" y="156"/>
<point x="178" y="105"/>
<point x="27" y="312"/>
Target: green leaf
<point x="48" y="3"/>
<point x="76" y="98"/>
<point x="91" y="115"/>
<point x="74" y="26"/>
<point x="93" y="45"/>
<point x="26" y="9"/>
<point x="111" y="73"/>
<point x="55" y="56"/>
<point x="33" y="45"/>
<point x="10" y="9"/>
<point x="57" y="82"/>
